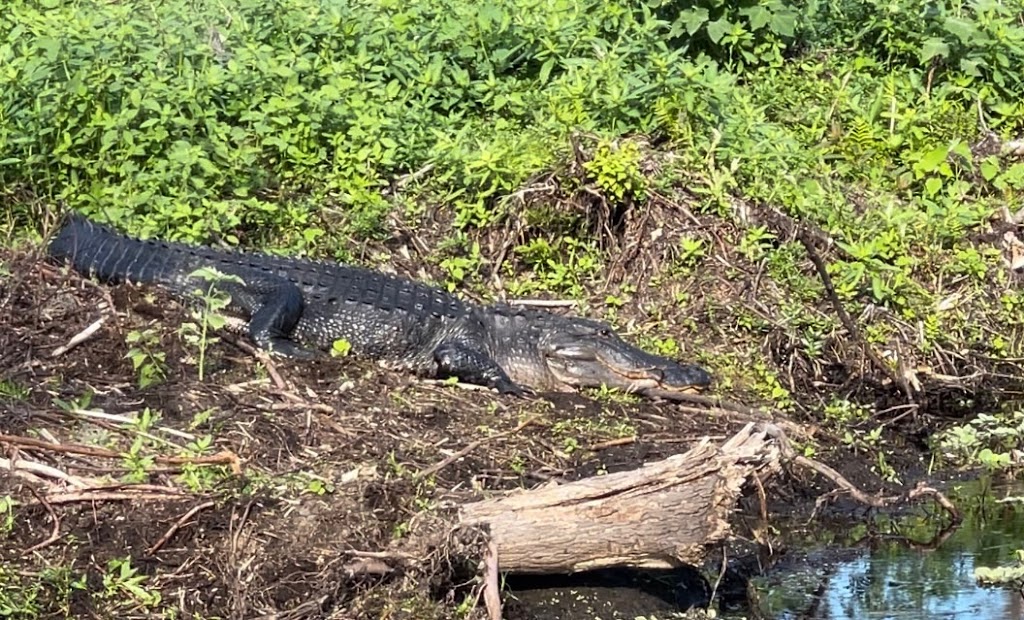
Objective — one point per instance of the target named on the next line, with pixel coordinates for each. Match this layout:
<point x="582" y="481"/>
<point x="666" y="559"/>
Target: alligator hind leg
<point x="473" y="366"/>
<point x="274" y="309"/>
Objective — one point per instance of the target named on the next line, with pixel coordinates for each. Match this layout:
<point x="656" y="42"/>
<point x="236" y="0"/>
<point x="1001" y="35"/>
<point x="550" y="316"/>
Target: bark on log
<point x="661" y="515"/>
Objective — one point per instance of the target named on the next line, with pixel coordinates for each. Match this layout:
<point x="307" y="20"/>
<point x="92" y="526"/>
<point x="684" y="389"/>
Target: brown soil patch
<point x="327" y="464"/>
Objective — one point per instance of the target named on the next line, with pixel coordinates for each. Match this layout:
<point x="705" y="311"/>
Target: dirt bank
<point x="297" y="467"/>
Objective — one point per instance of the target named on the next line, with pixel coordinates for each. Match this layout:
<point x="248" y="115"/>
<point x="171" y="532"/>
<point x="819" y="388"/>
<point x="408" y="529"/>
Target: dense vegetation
<point x="637" y="156"/>
<point x="319" y="126"/>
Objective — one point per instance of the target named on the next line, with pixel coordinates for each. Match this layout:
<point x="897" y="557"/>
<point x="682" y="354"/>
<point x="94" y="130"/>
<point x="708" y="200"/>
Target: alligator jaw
<point x="596" y="373"/>
<point x="587" y="353"/>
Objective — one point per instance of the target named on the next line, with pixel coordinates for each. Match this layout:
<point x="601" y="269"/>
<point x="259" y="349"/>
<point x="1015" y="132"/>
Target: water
<point x="860" y="574"/>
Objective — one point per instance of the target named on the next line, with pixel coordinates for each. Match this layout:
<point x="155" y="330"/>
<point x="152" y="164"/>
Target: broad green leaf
<point x="963" y="29"/>
<point x="932" y="159"/>
<point x="757" y="15"/>
<point x="693" y="19"/>
<point x="989" y="168"/>
<point x="784" y="23"/>
<point x="933" y="47"/>
<point x="970" y="67"/>
<point x="488" y="14"/>
<point x="878" y="288"/>
<point x="718" y="28"/>
<point x="545" y="70"/>
<point x="962" y="149"/>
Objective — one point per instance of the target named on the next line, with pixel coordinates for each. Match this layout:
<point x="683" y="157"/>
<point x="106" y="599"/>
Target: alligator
<point x="299" y="308"/>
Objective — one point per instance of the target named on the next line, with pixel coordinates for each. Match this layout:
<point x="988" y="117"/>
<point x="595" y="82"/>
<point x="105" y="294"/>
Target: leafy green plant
<point x="458" y="268"/>
<point x="123" y="583"/>
<point x="976" y="42"/>
<point x="137" y="464"/>
<point x="211" y="301"/>
<point x="692" y="251"/>
<point x="616" y="170"/>
<point x="987" y="440"/>
<point x="770" y="388"/>
<point x="147" y="360"/>
<point x="561" y="266"/>
<point x="166" y="133"/>
<point x="756" y="242"/>
<point x="741" y="34"/>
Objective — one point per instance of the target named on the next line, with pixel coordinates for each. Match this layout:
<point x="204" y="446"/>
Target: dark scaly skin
<point x="299" y="308"/>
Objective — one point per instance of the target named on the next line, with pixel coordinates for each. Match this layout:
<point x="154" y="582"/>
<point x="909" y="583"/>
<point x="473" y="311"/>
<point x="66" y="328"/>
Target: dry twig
<point x="55" y="534"/>
<point x="611" y="443"/>
<point x="178" y="525"/>
<point x="20" y="465"/>
<point x="473" y="446"/>
<point x="492" y="589"/>
<point x="80" y="337"/>
<point x="223" y="457"/>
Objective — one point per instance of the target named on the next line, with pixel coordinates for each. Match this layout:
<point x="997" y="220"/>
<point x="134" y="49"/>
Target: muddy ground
<point x="327" y="474"/>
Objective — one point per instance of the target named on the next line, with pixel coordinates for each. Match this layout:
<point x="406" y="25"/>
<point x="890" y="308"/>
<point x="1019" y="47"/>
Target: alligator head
<point x="567" y="353"/>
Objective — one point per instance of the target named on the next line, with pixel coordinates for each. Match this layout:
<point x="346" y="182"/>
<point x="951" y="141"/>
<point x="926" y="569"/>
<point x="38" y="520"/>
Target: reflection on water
<point x="883" y="577"/>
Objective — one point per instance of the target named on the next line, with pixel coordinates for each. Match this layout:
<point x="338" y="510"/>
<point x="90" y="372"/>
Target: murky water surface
<point x="865" y="574"/>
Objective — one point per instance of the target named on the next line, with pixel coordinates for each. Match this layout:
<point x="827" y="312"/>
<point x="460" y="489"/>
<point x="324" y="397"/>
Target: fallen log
<point x="662" y="515"/>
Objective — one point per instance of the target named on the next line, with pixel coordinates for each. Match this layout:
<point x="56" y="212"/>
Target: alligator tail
<point x="95" y="250"/>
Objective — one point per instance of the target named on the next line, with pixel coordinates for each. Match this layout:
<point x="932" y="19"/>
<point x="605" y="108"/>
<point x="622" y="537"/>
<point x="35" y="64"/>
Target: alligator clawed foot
<point x="509" y="388"/>
<point x="288" y="350"/>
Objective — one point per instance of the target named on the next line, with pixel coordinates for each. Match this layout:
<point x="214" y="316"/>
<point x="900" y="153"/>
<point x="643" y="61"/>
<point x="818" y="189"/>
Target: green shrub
<point x="189" y="120"/>
<point x="975" y="44"/>
<point x="738" y="33"/>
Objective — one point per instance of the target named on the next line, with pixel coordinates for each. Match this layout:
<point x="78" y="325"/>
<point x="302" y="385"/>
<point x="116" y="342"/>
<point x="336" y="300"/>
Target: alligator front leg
<point x="473" y="366"/>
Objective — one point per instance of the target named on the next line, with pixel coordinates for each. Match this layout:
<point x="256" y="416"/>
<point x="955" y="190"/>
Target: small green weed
<point x="75" y="404"/>
<point x="147" y="361"/>
<point x="987" y="440"/>
<point x="125" y="588"/>
<point x="770" y="388"/>
<point x="136" y="464"/>
<point x="692" y="251"/>
<point x="616" y="170"/>
<point x="341" y="348"/>
<point x="207" y="314"/>
<point x="10" y="388"/>
<point x="458" y="268"/>
<point x="6" y="515"/>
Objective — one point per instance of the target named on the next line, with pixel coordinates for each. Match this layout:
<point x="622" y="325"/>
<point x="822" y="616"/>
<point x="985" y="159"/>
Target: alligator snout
<point x="683" y="377"/>
<point x="596" y="357"/>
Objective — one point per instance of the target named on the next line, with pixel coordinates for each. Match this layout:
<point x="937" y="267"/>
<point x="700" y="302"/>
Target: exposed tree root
<point x="845" y="486"/>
